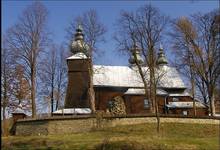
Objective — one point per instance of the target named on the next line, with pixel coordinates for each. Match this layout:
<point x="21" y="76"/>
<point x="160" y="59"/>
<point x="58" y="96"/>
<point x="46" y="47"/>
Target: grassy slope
<point x="143" y="136"/>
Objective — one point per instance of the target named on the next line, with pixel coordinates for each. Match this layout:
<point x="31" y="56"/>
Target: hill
<point x="142" y="136"/>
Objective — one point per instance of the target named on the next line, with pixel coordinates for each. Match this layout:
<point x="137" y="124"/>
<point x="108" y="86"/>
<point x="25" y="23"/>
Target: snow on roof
<point x="170" y="78"/>
<point x="184" y="105"/>
<point x="217" y="115"/>
<point x="132" y="91"/>
<point x="180" y="94"/>
<point x="73" y="111"/>
<point x="118" y="76"/>
<point x="161" y="92"/>
<point x="124" y="76"/>
<point x="79" y="55"/>
<point x="18" y="111"/>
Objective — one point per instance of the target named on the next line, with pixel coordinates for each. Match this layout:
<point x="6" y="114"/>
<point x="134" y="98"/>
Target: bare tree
<point x="53" y="76"/>
<point x="61" y="78"/>
<point x="94" y="34"/>
<point x="6" y="80"/>
<point x="27" y="38"/>
<point x="94" y="30"/>
<point x="146" y="24"/>
<point x="21" y="89"/>
<point x="198" y="37"/>
<point x="15" y="88"/>
<point x="184" y="64"/>
<point x="48" y="74"/>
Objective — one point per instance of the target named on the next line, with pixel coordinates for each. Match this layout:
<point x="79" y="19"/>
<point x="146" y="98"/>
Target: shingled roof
<point x="124" y="76"/>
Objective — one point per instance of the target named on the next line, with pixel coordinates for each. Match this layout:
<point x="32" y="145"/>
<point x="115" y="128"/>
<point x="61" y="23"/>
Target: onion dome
<point x="78" y="45"/>
<point x="135" y="51"/>
<point x="161" y="59"/>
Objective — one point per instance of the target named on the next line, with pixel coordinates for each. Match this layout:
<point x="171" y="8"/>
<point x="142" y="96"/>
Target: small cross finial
<point x="79" y="27"/>
<point x="161" y="46"/>
<point x="20" y="106"/>
<point x="79" y="35"/>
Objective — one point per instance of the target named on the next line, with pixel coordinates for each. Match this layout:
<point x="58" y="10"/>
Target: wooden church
<point x="124" y="81"/>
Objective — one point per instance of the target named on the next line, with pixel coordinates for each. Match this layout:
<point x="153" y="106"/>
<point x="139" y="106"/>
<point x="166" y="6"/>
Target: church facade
<point x="125" y="82"/>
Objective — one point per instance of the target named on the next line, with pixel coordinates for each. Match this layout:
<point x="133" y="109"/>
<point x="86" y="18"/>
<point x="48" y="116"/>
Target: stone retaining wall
<point x="75" y="125"/>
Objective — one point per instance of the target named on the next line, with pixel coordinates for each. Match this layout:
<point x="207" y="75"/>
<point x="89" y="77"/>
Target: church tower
<point x="78" y="75"/>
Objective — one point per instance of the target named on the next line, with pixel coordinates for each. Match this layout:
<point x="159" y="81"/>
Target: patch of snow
<point x="184" y="105"/>
<point x="124" y="76"/>
<point x="79" y="55"/>
<point x="18" y="111"/>
<point x="73" y="111"/>
<point x="132" y="91"/>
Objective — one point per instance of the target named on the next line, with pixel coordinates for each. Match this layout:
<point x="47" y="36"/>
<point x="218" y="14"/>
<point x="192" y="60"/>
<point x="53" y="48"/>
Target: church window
<point x="146" y="103"/>
<point x="185" y="113"/>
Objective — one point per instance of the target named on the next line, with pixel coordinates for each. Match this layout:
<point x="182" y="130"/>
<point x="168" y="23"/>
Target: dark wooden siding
<point x="76" y="95"/>
<point x="135" y="103"/>
<point x="104" y="95"/>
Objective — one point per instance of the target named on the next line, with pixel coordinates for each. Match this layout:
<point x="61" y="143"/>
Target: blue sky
<point x="62" y="12"/>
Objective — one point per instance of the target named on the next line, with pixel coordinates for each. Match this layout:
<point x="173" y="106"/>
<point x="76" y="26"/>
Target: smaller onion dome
<point x="135" y="50"/>
<point x="78" y="44"/>
<point x="161" y="59"/>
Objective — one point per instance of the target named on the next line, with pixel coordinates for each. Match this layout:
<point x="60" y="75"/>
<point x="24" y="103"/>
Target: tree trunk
<point x="92" y="99"/>
<point x="152" y="91"/>
<point x="58" y="98"/>
<point x="212" y="105"/>
<point x="52" y="95"/>
<point x="141" y="74"/>
<point x="52" y="102"/>
<point x="194" y="101"/>
<point x="211" y="99"/>
<point x="33" y="95"/>
<point x="165" y="103"/>
<point x="193" y="93"/>
<point x="4" y="122"/>
<point x="158" y="120"/>
<point x="155" y="99"/>
<point x="91" y="92"/>
<point x="5" y="91"/>
<point x="142" y="77"/>
<point x="157" y="113"/>
<point x="152" y="78"/>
